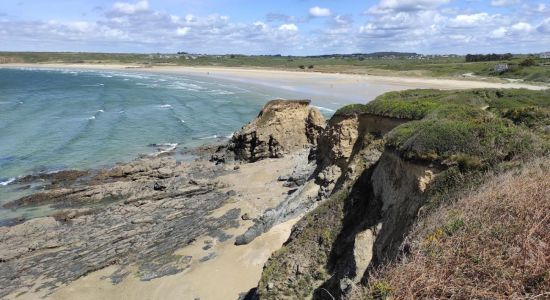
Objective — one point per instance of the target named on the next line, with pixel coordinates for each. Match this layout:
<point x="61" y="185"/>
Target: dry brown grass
<point x="493" y="243"/>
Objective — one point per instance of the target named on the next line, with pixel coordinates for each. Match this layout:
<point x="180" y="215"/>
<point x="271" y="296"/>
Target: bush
<point x="468" y="142"/>
<point x="528" y="62"/>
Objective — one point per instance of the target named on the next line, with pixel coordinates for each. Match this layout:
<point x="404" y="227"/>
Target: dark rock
<point x="245" y="217"/>
<point x="283" y="178"/>
<point x="290" y="184"/>
<point x="292" y="191"/>
<point x="159" y="187"/>
<point x="252" y="294"/>
<point x="208" y="257"/>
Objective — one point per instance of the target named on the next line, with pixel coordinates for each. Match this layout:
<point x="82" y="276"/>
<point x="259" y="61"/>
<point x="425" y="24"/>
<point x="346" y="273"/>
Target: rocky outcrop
<point x="361" y="225"/>
<point x="118" y="216"/>
<point x="282" y="127"/>
<point x="348" y="145"/>
<point x="373" y="196"/>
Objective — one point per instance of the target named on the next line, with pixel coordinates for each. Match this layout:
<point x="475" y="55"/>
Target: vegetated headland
<point x="531" y="68"/>
<point x="420" y="193"/>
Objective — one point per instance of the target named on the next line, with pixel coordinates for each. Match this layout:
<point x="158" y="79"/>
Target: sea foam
<point x="6" y="182"/>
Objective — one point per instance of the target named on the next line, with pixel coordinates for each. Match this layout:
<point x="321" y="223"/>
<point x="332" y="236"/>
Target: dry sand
<point x="236" y="269"/>
<point x="233" y="269"/>
<point x="325" y="89"/>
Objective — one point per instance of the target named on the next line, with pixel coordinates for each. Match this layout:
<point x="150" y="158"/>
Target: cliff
<point x="282" y="127"/>
<point x="382" y="165"/>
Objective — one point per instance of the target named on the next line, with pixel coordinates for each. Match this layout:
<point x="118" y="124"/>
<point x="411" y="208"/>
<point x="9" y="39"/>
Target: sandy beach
<point x="326" y="89"/>
<point x="228" y="271"/>
<point x="232" y="269"/>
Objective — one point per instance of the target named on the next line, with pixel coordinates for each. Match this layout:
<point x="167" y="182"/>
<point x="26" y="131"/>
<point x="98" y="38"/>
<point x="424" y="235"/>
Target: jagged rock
<point x="283" y="126"/>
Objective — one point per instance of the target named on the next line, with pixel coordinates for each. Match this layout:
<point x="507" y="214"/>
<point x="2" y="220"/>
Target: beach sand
<point x="230" y="271"/>
<point x="338" y="89"/>
<point x="236" y="269"/>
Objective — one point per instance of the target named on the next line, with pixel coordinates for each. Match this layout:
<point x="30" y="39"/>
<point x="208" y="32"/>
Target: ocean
<point x="56" y="119"/>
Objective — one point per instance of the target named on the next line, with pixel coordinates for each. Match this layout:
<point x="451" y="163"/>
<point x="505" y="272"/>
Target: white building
<point x="501" y="68"/>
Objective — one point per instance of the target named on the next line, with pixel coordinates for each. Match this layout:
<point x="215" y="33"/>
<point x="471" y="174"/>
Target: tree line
<point x="488" y="57"/>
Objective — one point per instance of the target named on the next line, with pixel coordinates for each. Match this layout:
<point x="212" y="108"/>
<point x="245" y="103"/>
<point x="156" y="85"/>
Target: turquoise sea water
<point x="52" y="120"/>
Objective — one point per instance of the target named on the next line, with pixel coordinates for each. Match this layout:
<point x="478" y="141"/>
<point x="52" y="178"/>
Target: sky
<point x="287" y="27"/>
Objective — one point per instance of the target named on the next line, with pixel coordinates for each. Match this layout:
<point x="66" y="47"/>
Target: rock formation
<point x="381" y="165"/>
<point x="283" y="126"/>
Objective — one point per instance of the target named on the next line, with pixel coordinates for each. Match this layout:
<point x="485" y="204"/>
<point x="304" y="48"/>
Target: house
<point x="500" y="68"/>
<point x="545" y="55"/>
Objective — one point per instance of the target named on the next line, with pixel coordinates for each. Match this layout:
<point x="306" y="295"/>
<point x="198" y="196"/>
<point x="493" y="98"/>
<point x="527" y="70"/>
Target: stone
<point x="164" y="172"/>
<point x="159" y="187"/>
<point x="143" y="220"/>
<point x="283" y="126"/>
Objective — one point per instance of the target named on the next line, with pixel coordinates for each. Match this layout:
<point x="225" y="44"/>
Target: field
<point x="402" y="65"/>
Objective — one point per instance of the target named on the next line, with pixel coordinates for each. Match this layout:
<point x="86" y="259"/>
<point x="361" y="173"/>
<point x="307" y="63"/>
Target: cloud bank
<point x="425" y="26"/>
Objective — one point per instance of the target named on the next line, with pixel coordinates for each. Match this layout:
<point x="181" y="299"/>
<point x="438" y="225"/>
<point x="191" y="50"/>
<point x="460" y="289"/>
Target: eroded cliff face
<point x="282" y="127"/>
<point x="373" y="196"/>
<point x="348" y="145"/>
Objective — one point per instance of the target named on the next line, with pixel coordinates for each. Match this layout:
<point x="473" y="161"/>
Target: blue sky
<point x="297" y="27"/>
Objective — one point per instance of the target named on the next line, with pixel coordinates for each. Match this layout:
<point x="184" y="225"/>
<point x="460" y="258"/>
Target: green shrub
<point x="381" y="290"/>
<point x="528" y="62"/>
<point x="460" y="129"/>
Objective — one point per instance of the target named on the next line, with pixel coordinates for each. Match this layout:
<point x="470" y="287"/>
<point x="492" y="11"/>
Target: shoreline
<point x="334" y="88"/>
<point x="195" y="222"/>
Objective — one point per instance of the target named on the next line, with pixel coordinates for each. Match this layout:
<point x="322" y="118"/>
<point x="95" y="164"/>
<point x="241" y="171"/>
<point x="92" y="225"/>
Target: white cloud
<point x="342" y="20"/>
<point x="319" y="12"/>
<point x="260" y="25"/>
<point x="129" y="8"/>
<point x="182" y="31"/>
<point x="424" y="26"/>
<point x="504" y="2"/>
<point x="189" y="18"/>
<point x="469" y="20"/>
<point x="405" y="5"/>
<point x="81" y="26"/>
<point x="369" y="28"/>
<point x="499" y="33"/>
<point x="288" y="27"/>
<point x="522" y="27"/>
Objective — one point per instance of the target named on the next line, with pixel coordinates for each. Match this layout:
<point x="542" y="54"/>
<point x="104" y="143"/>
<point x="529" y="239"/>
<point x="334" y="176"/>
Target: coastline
<point x="193" y="221"/>
<point x="336" y="88"/>
<point x="229" y="258"/>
